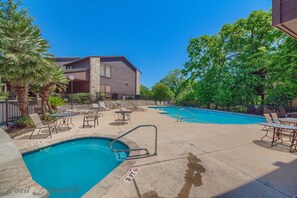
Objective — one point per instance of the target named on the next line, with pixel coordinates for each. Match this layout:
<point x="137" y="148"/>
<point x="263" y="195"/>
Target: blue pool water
<point x="197" y="115"/>
<point x="71" y="168"/>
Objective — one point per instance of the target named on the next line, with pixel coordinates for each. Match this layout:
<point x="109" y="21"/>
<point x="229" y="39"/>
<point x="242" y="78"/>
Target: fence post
<point x="6" y="112"/>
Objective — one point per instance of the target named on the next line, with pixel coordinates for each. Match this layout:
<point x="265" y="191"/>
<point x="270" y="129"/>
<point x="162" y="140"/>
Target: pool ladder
<point x="180" y="119"/>
<point x="136" y="156"/>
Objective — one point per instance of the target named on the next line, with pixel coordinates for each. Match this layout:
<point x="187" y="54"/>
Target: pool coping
<point x="15" y="178"/>
<point x="102" y="187"/>
<point x="155" y="108"/>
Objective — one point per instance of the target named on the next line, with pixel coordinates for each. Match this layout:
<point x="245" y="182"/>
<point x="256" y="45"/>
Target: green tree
<point x="54" y="81"/>
<point x="174" y="80"/>
<point x="161" y="92"/>
<point x="281" y="86"/>
<point x="145" y="92"/>
<point x="23" y="53"/>
<point x="207" y="61"/>
<point x="243" y="63"/>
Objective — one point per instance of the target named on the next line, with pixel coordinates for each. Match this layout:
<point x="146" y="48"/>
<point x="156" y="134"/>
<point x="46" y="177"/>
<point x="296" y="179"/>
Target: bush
<point x="82" y="98"/>
<point x="4" y="95"/>
<point x="56" y="101"/>
<point x="25" y="122"/>
<point x="161" y="92"/>
<point x="102" y="96"/>
<point x="241" y="109"/>
<point x="48" y="118"/>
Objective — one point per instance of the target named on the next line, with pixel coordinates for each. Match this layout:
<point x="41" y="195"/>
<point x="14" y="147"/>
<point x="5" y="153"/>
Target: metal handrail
<point x="289" y="114"/>
<point x="182" y="118"/>
<point x="146" y="154"/>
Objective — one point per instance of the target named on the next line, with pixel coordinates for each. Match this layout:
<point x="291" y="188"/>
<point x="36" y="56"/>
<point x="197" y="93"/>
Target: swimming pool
<point x="197" y="115"/>
<point x="71" y="168"/>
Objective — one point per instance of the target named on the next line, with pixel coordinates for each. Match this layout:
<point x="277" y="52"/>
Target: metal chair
<point x="266" y="128"/>
<point x="97" y="107"/>
<point x="38" y="125"/>
<point x="92" y="116"/>
<point x="275" y="118"/>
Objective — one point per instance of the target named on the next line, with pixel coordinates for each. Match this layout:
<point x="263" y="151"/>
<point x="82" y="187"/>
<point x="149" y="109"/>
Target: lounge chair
<point x="275" y="118"/>
<point x="102" y="106"/>
<point x="136" y="108"/>
<point x="92" y="116"/>
<point x="38" y="125"/>
<point x="268" y="118"/>
<point x="95" y="106"/>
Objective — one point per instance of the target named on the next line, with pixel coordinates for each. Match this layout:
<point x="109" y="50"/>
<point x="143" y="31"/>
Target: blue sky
<point x="152" y="34"/>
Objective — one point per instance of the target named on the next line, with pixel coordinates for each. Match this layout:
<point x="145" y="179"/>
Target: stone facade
<point x="94" y="75"/>
<point x="137" y="82"/>
<point x="124" y="78"/>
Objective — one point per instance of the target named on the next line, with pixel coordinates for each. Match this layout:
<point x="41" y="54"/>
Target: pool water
<point x="71" y="168"/>
<point x="197" y="115"/>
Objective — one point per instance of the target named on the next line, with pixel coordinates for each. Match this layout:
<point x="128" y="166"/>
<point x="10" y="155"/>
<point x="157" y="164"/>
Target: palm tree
<point x="54" y="81"/>
<point x="23" y="53"/>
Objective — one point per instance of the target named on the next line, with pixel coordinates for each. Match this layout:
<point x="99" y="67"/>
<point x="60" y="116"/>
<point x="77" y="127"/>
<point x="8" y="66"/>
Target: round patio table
<point x="123" y="114"/>
<point x="64" y="119"/>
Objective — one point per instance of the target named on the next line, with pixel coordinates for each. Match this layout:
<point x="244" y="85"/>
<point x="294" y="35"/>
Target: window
<point x="105" y="71"/>
<point x="106" y="89"/>
<point x="68" y="67"/>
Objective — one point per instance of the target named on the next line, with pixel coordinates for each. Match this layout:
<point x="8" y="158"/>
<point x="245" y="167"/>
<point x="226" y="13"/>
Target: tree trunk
<point x="22" y="96"/>
<point x="49" y="106"/>
<point x="46" y="93"/>
<point x="43" y="105"/>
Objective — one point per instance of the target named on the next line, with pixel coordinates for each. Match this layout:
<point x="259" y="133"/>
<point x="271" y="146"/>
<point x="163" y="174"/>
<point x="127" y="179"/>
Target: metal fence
<point x="9" y="110"/>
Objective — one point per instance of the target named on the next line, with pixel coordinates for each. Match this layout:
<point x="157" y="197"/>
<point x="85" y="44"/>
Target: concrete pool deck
<point x="194" y="160"/>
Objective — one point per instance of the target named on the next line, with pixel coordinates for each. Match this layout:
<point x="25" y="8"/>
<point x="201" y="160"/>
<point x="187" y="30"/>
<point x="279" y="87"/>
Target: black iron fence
<point x="9" y="110"/>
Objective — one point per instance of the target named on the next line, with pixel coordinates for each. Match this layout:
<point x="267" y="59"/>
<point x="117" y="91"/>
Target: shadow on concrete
<point x="163" y="113"/>
<point x="281" y="147"/>
<point x="86" y="126"/>
<point x="279" y="183"/>
<point x="35" y="136"/>
<point x="118" y="123"/>
<point x="42" y="135"/>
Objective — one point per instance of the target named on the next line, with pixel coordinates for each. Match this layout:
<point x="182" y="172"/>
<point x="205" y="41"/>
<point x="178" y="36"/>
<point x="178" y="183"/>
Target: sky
<point x="152" y="34"/>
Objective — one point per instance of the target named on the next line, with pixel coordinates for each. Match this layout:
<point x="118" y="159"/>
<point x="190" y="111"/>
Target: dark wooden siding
<point x="79" y="87"/>
<point x="81" y="64"/>
<point x="284" y="16"/>
<point x="122" y="79"/>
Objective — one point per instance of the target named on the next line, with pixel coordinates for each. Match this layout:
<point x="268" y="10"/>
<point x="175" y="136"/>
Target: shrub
<point x="48" y="118"/>
<point x="4" y="95"/>
<point x="25" y="122"/>
<point x="102" y="96"/>
<point x="238" y="108"/>
<point x="161" y="92"/>
<point x="82" y="98"/>
<point x="56" y="101"/>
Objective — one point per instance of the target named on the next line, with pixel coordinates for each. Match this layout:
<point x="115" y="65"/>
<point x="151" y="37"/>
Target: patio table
<point x="279" y="127"/>
<point x="64" y="119"/>
<point x="289" y="121"/>
<point x="122" y="114"/>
